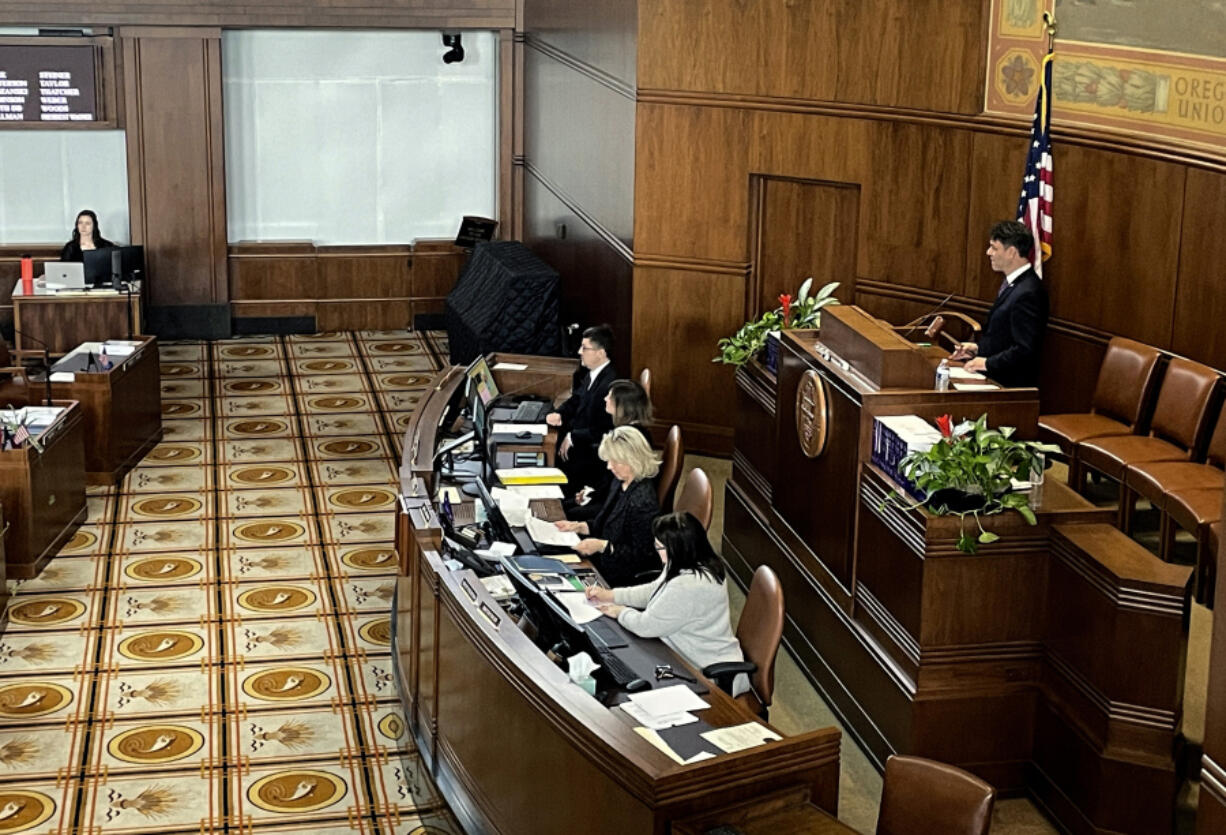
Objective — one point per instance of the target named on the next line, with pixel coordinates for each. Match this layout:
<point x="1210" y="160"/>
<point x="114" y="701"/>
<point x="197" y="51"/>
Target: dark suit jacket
<point x="1012" y="339"/>
<point x="583" y="414"/>
<point x="625" y="521"/>
<point x="601" y="490"/>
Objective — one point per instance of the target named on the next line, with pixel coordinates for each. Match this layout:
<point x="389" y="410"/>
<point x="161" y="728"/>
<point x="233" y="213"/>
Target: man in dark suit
<point x="583" y="418"/>
<point x="1012" y="342"/>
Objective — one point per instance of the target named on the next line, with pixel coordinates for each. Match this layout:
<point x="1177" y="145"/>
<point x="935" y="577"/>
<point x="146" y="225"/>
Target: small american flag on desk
<point x="20" y="435"/>
<point x="1034" y="205"/>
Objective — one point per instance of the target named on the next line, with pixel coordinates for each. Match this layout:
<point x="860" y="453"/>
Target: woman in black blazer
<point x="85" y="235"/>
<point x="618" y="539"/>
<point x="627" y="404"/>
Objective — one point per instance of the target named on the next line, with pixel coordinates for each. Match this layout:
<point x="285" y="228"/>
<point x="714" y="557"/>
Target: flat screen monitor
<point x="98" y="266"/>
<point x="500" y="529"/>
<point x="553" y="624"/>
<point x="481" y="380"/>
<point x="127" y="263"/>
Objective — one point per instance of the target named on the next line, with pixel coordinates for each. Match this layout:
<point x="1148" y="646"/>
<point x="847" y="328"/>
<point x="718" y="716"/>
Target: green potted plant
<point x="752" y="339"/>
<point x="970" y="472"/>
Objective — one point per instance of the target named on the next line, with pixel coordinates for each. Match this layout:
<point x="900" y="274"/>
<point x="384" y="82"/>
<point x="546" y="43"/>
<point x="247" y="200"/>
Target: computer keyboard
<point x="616" y="668"/>
<point x="528" y="411"/>
<point x="608" y="633"/>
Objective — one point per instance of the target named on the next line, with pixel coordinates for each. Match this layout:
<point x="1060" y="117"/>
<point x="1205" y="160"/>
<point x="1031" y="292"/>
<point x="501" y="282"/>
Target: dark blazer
<point x="582" y="512"/>
<point x="72" y="250"/>
<point x="1012" y="338"/>
<point x="625" y="521"/>
<point x="583" y="414"/>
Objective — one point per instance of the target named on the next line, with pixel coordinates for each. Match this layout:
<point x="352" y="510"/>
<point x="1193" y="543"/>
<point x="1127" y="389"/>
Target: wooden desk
<point x="976" y="660"/>
<point x="64" y="320"/>
<point x="43" y="493"/>
<point x="498" y="724"/>
<point x="122" y="409"/>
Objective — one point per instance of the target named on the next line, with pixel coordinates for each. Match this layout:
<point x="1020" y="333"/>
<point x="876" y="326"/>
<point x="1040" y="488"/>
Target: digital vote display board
<point x="49" y="84"/>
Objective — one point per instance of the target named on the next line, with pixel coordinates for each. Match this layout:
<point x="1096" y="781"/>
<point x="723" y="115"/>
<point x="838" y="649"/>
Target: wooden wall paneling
<point x="811" y="147"/>
<point x="913" y="230"/>
<point x="364" y="272"/>
<point x="434" y="267"/>
<point x="678" y="317"/>
<point x="10" y="273"/>
<point x="996" y="164"/>
<point x="364" y="314"/>
<point x="510" y="134"/>
<point x="1211" y="812"/>
<point x="272" y="270"/>
<point x="807" y="229"/>
<point x="176" y="169"/>
<point x="928" y="54"/>
<point x="1200" y="304"/>
<point x="691" y="183"/>
<point x="402" y="14"/>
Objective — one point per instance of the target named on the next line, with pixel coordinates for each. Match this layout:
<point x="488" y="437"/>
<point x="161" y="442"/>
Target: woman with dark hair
<point x="628" y="404"/>
<point x="86" y="235"/>
<point x="687" y="605"/>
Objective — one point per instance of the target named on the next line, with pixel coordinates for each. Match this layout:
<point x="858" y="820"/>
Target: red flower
<point x="785" y="299"/>
<point x="946" y="424"/>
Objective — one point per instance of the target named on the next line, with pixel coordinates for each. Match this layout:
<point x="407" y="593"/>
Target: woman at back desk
<point x="619" y="536"/>
<point x="687" y="605"/>
<point x="628" y="404"/>
<point x="85" y="236"/>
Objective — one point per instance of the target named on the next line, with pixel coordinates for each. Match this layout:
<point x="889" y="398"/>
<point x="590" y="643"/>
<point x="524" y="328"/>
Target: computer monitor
<point x="127" y="263"/>
<point x="500" y="529"/>
<point x="553" y="624"/>
<point x="98" y="266"/>
<point x="481" y="379"/>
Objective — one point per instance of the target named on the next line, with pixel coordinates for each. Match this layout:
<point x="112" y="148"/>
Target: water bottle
<point x="943" y="376"/>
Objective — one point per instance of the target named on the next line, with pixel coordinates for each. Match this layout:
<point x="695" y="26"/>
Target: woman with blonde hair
<point x="619" y="539"/>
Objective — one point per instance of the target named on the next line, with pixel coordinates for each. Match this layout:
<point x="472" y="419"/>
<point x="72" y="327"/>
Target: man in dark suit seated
<point x="1011" y="345"/>
<point x="582" y="418"/>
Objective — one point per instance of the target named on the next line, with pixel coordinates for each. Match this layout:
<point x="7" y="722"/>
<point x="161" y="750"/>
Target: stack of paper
<point x="577" y="607"/>
<point x="537" y="430"/>
<point x="959" y="373"/>
<point x="740" y="737"/>
<point x="665" y="701"/>
<point x="534" y="491"/>
<point x="648" y="720"/>
<point x="545" y="533"/>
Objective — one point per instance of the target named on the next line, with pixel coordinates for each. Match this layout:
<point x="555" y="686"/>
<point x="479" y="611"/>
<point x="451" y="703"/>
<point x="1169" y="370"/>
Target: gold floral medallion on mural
<point x="370" y="559"/>
<point x="299" y="790"/>
<point x="25" y="700"/>
<point x="286" y="684"/>
<point x="262" y="476"/>
<point x="269" y="531"/>
<point x="155" y="744"/>
<point x="157" y="569"/>
<point x="812" y="414"/>
<point x="46" y="611"/>
<point x="276" y="599"/>
<point x="22" y="810"/>
<point x="161" y="645"/>
<point x="167" y="507"/>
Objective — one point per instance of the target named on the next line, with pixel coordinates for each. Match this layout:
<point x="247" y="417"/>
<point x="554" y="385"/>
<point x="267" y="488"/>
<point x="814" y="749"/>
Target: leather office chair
<point x="1195" y="510"/>
<point x="670" y="467"/>
<point x="645" y="381"/>
<point x="1177" y="431"/>
<point x="759" y="632"/>
<point x="925" y="797"/>
<point x="1125" y="387"/>
<point x="695" y="497"/>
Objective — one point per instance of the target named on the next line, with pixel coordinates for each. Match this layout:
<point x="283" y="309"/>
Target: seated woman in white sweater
<point x="687" y="605"/>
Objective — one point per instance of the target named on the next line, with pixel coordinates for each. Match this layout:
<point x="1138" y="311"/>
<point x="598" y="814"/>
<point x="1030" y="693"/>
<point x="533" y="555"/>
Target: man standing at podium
<point x="1011" y="346"/>
<point x="582" y="418"/>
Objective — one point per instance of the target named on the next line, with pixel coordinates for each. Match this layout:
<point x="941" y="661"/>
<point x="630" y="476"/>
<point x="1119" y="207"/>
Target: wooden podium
<point x="121" y="407"/>
<point x="983" y="661"/>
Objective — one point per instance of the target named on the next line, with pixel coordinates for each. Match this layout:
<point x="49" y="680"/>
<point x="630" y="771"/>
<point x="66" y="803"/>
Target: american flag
<point x="20" y="435"/>
<point x="1034" y="205"/>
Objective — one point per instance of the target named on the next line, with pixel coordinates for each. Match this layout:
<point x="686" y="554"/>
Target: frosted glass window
<point x="48" y="176"/>
<point x="357" y="137"/>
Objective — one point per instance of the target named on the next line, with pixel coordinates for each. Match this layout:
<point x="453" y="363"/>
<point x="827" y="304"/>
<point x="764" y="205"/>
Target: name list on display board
<point x="47" y="84"/>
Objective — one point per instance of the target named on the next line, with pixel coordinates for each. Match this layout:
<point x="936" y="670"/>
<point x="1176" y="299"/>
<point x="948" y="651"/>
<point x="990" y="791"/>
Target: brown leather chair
<point x="670" y="467"/>
<point x="759" y="632"/>
<point x="645" y="381"/>
<point x="926" y="797"/>
<point x="1155" y="480"/>
<point x="1195" y="510"/>
<point x="695" y="497"/>
<point x="1125" y="387"/>
<point x="1177" y="431"/>
<point x="1205" y="590"/>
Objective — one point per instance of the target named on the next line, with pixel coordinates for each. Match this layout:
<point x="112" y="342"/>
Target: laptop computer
<point x="527" y="409"/>
<point x="65" y="275"/>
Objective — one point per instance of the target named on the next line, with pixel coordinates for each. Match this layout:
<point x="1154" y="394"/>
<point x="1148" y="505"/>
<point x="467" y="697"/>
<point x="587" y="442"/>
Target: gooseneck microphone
<point x="46" y="361"/>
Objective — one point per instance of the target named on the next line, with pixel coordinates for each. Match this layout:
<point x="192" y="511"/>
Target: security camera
<point x="456" y="51"/>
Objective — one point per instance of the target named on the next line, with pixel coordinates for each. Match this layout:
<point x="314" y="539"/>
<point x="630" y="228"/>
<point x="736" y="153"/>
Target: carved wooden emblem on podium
<point x="811" y="414"/>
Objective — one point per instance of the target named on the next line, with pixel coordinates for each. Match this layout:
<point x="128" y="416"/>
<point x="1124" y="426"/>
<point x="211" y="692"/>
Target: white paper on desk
<point x="740" y="737"/>
<point x="975" y="387"/>
<point x="659" y="744"/>
<point x="536" y="429"/>
<point x="577" y="607"/>
<point x="513" y="506"/>
<point x="63" y="377"/>
<point x="656" y="723"/>
<point x="509" y="366"/>
<point x="957" y="373"/>
<point x="665" y="700"/>
<point x="537" y="491"/>
<point x="544" y="533"/>
<point x="497" y="550"/>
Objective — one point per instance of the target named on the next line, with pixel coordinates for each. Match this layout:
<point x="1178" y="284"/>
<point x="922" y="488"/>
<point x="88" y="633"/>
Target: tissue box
<point x="896" y="436"/>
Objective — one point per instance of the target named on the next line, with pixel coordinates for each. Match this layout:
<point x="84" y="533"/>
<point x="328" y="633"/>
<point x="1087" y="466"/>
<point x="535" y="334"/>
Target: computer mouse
<point x="524" y="435"/>
<point x="635" y="685"/>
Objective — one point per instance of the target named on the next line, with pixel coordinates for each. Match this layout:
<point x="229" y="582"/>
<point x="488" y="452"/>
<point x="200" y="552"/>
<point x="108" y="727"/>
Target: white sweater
<point x="690" y="614"/>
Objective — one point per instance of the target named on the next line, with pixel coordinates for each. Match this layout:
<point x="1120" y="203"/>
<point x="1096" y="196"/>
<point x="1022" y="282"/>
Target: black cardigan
<point x="625" y="521"/>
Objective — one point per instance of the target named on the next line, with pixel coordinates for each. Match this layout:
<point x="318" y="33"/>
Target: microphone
<point x="914" y="323"/>
<point x="46" y="361"/>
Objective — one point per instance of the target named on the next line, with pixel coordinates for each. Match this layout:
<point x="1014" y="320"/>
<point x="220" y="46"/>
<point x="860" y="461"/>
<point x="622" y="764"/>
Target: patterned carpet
<point x="210" y="653"/>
